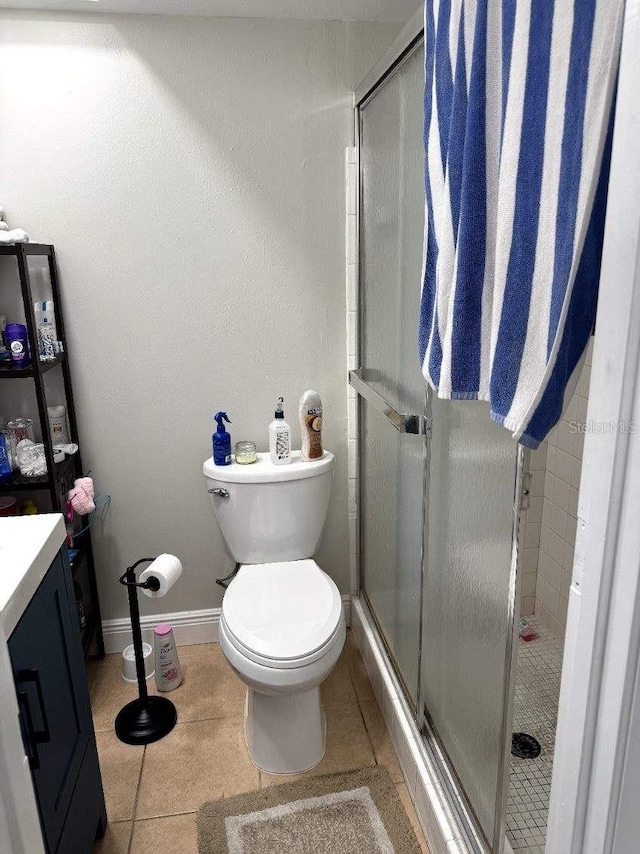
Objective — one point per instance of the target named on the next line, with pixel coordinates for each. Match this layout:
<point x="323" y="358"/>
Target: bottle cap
<point x="16" y="329"/>
<point x="279" y="413"/>
<point x="162" y="629"/>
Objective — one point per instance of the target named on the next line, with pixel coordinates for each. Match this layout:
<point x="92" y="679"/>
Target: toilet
<point x="282" y="626"/>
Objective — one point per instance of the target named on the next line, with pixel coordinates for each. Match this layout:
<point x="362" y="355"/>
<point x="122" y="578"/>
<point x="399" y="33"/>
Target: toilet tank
<point x="271" y="513"/>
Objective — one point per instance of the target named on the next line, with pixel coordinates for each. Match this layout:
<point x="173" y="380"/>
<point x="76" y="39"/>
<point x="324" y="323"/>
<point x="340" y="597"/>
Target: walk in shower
<point x="451" y="528"/>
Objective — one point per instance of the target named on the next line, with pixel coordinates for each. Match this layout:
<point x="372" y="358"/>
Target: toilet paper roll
<point x="167" y="569"/>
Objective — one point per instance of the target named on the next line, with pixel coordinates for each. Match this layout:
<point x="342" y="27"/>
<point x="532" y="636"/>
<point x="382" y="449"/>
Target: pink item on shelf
<point x="162" y="629"/>
<point x="81" y="496"/>
<point x="87" y="484"/>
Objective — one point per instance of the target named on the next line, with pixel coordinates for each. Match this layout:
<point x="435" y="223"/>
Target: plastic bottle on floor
<point x="168" y="670"/>
<point x="526" y="631"/>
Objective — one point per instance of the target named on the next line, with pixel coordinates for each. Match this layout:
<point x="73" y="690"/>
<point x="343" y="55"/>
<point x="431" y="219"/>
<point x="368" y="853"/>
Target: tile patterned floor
<point x="153" y="792"/>
<point x="535" y="712"/>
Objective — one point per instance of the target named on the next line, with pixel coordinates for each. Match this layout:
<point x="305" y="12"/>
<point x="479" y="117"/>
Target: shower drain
<point x="525" y="746"/>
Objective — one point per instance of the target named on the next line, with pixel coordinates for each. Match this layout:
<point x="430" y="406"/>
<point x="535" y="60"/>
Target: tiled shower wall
<point x="551" y="521"/>
<point x="560" y="508"/>
<point x="351" y="253"/>
<point x="530" y="524"/>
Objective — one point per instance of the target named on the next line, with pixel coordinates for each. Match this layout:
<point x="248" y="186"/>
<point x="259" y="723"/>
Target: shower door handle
<point x="416" y="424"/>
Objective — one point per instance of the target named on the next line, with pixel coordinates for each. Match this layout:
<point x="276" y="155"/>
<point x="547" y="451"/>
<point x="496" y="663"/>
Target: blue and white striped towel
<point x="518" y="98"/>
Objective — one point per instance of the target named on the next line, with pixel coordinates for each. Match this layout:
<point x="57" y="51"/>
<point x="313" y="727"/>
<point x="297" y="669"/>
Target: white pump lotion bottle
<point x="279" y="437"/>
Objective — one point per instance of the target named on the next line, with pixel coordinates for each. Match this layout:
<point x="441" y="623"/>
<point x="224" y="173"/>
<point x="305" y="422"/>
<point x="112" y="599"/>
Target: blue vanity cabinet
<point x="55" y="715"/>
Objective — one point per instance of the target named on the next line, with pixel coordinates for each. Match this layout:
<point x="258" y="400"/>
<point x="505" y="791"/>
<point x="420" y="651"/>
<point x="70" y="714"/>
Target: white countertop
<point x="28" y="545"/>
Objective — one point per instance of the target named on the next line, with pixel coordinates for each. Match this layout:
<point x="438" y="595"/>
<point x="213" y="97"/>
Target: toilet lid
<point x="282" y="611"/>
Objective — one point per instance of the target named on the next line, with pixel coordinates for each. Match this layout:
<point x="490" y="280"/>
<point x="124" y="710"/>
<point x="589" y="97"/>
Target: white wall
<point x="191" y="176"/>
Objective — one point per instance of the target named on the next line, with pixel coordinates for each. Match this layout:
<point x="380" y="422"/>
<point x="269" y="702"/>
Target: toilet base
<point x="285" y="733"/>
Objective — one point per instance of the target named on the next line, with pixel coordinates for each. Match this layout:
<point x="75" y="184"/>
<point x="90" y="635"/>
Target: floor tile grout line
<point x="130" y="843"/>
<point x="135" y="800"/>
<point x="354" y="699"/>
<point x="364" y="720"/>
<point x="374" y="700"/>
<point x="236" y="716"/>
<point x="174" y="814"/>
<point x="350" y="659"/>
<point x="369" y="735"/>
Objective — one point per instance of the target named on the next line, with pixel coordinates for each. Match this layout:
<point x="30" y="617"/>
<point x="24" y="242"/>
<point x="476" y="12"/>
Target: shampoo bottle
<point x="279" y="437"/>
<point x="311" y="426"/>
<point x="221" y="441"/>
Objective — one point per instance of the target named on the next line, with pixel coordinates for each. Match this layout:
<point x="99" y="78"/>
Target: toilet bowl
<point x="282" y="626"/>
<point x="282" y="630"/>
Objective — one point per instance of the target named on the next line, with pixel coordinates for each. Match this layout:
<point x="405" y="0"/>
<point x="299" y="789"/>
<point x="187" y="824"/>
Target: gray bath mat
<point x="350" y="813"/>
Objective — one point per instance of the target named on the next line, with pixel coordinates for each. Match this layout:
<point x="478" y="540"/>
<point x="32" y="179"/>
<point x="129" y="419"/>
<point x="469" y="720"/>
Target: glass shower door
<point x="392" y="461"/>
<point x="436" y="515"/>
<point x="468" y="601"/>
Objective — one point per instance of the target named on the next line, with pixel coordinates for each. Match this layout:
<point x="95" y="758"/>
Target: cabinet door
<point x="50" y="677"/>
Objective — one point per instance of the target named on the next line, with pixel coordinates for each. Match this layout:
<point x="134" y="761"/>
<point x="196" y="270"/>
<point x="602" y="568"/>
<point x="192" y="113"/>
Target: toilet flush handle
<point x="221" y="493"/>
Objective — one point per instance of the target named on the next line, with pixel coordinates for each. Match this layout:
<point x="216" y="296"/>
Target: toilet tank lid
<point x="282" y="610"/>
<point x="264" y="471"/>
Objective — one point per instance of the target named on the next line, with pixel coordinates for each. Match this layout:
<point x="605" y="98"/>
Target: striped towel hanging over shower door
<point x="517" y="133"/>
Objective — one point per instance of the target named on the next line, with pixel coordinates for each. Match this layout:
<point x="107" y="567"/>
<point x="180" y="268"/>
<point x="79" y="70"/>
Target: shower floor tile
<point x="535" y="712"/>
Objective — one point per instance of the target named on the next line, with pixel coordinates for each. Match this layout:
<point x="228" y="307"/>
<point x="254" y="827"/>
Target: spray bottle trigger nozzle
<point x="220" y="418"/>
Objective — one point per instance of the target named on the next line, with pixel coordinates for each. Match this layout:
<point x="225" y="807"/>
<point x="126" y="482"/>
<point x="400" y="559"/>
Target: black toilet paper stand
<point x="146" y="719"/>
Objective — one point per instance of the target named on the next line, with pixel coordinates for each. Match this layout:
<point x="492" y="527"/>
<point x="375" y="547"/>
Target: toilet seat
<point x="282" y="615"/>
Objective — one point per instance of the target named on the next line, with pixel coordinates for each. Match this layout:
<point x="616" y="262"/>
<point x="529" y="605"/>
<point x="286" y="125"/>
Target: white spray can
<point x="168" y="670"/>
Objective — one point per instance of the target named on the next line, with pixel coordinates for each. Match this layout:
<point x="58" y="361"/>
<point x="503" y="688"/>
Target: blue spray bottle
<point x="221" y="441"/>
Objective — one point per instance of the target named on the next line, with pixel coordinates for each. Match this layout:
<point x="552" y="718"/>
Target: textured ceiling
<point x="311" y="10"/>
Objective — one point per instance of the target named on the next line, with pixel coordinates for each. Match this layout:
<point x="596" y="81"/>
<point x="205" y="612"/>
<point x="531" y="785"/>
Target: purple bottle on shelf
<point x="17" y="344"/>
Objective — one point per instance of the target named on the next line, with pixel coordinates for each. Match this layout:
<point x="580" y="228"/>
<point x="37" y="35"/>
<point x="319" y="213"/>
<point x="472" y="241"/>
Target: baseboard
<point x="189" y="627"/>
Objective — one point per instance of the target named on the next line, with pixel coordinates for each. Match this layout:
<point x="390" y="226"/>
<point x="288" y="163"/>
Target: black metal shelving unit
<point x="60" y="476"/>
